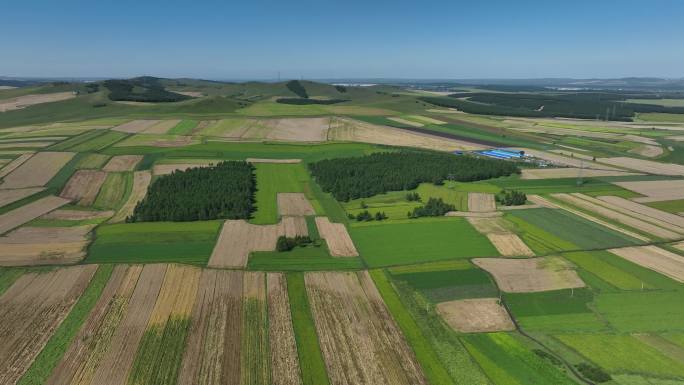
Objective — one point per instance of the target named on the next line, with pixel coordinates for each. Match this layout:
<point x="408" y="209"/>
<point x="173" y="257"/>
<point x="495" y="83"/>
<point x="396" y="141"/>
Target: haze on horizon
<point x="352" y="39"/>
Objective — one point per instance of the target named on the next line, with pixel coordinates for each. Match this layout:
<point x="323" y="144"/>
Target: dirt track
<point x="37" y="170"/>
<point x="476" y="315"/>
<point x="531" y="275"/>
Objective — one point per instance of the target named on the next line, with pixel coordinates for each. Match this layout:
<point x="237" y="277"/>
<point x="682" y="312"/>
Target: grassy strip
<point x="329" y="205"/>
<point x="8" y="276"/>
<point x="185" y="127"/>
<point x="53" y="351"/>
<point x="60" y="179"/>
<point x="428" y="359"/>
<point x="308" y="349"/>
<point x="160" y="354"/>
<point x="100" y="142"/>
<point x="255" y="357"/>
<point x="311" y="228"/>
<point x="76" y="140"/>
<point x="114" y="191"/>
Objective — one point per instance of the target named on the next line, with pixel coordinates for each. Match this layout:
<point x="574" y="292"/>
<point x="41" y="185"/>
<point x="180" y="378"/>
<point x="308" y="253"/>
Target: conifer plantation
<point x="224" y="191"/>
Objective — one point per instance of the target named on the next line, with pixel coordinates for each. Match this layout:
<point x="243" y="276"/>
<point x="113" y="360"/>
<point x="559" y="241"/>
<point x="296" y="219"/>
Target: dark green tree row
<point x="361" y="177"/>
<point x="435" y="207"/>
<point x="143" y="89"/>
<point x="300" y="101"/>
<point x="224" y="191"/>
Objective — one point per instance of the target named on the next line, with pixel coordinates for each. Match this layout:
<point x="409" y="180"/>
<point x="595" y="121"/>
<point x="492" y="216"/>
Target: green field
<point x="154" y="242"/>
<point x="301" y="259"/>
<point x="185" y="127"/>
<point x="422" y="240"/>
<point x="447" y="285"/>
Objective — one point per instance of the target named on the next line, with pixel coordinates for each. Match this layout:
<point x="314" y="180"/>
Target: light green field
<point x="659" y="102"/>
<point x="661" y="117"/>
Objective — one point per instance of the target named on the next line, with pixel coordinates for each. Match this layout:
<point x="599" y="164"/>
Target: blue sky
<point x="335" y="39"/>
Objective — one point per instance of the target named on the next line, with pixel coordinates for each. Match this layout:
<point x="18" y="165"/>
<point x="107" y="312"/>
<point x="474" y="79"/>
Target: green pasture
<point x="100" y="142"/>
<point x="605" y="266"/>
<point x="308" y="258"/>
<point x="647" y="311"/>
<point x="676" y="206"/>
<point x="448" y="285"/>
<point x="154" y="242"/>
<point x="421" y="240"/>
<point x="185" y="127"/>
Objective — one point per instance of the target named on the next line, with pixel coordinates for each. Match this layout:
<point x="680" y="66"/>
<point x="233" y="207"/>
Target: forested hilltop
<point x="225" y="191"/>
<point x="352" y="178"/>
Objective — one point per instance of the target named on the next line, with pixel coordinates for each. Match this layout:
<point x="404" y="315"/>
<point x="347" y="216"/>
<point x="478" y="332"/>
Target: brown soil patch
<point x="264" y="160"/>
<point x="26" y="213"/>
<point x="121" y="163"/>
<point x="569" y="172"/>
<point x="481" y="202"/>
<point x="531" y="275"/>
<point x="80" y="361"/>
<point x="162" y="127"/>
<point x="634" y="209"/>
<point x="476" y="315"/>
<point x="212" y="351"/>
<point x="647" y="166"/>
<point x="135" y="126"/>
<point x="117" y="361"/>
<point x="284" y="359"/>
<point x="360" y="341"/>
<point x="77" y="215"/>
<point x="294" y="204"/>
<point x="32" y="309"/>
<point x="16" y="162"/>
<point x="654" y="258"/>
<point x="37" y="171"/>
<point x="30" y="100"/>
<point x="141" y="180"/>
<point x="239" y="238"/>
<point x="647" y="150"/>
<point x="657" y="190"/>
<point x="336" y="236"/>
<point x="345" y="129"/>
<point x="9" y="196"/>
<point x="83" y="186"/>
<point x="44" y="245"/>
<point x="591" y="204"/>
<point x="510" y="245"/>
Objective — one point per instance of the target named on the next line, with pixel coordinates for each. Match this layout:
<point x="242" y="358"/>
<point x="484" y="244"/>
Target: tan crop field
<point x="336" y="236"/>
<point x="32" y="309"/>
<point x="122" y="163"/>
<point x="654" y="258"/>
<point x="532" y="274"/>
<point x="569" y="172"/>
<point x="37" y="170"/>
<point x="9" y="196"/>
<point x="657" y="190"/>
<point x="481" y="202"/>
<point x="292" y="129"/>
<point x="562" y="160"/>
<point x="294" y="204"/>
<point x="141" y="180"/>
<point x="83" y="186"/>
<point x="645" y="212"/>
<point x="30" y="100"/>
<point x="26" y="213"/>
<point x="476" y="315"/>
<point x="135" y="126"/>
<point x="646" y="166"/>
<point x="284" y="359"/>
<point x="16" y="162"/>
<point x="212" y="352"/>
<point x="360" y="341"/>
<point x="349" y="130"/>
<point x="510" y="245"/>
<point x="265" y="160"/>
<point x="406" y="122"/>
<point x="164" y="169"/>
<point x="25" y="145"/>
<point x="84" y="355"/>
<point x="647" y="150"/>
<point x="44" y="245"/>
<point x="77" y="215"/>
<point x="239" y="238"/>
<point x="162" y="127"/>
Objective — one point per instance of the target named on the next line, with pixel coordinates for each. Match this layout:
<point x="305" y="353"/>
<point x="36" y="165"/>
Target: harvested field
<point x="360" y="341"/>
<point x="77" y="215"/>
<point x="284" y="359"/>
<point x="254" y="351"/>
<point x="26" y="213"/>
<point x="655" y="191"/>
<point x="510" y="245"/>
<point x="32" y="309"/>
<point x="164" y="169"/>
<point x="647" y="166"/>
<point x="406" y="122"/>
<point x="162" y="127"/>
<point x="481" y="202"/>
<point x="566" y="160"/>
<point x="141" y="180"/>
<point x="343" y="129"/>
<point x="135" y="126"/>
<point x="84" y="186"/>
<point x="643" y="211"/>
<point x="654" y="258"/>
<point x="83" y="356"/>
<point x="116" y="362"/>
<point x="158" y="140"/>
<point x="37" y="170"/>
<point x="44" y="245"/>
<point x="212" y="352"/>
<point x="264" y="160"/>
<point x="531" y="275"/>
<point x="647" y="150"/>
<point x="30" y="100"/>
<point x="471" y="214"/>
<point x="293" y="129"/>
<point x="588" y="203"/>
<point x="122" y="163"/>
<point x="476" y="315"/>
<point x="569" y="172"/>
<point x="495" y="225"/>
<point x="239" y="238"/>
<point x="336" y="236"/>
<point x="294" y="204"/>
<point x="9" y="196"/>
